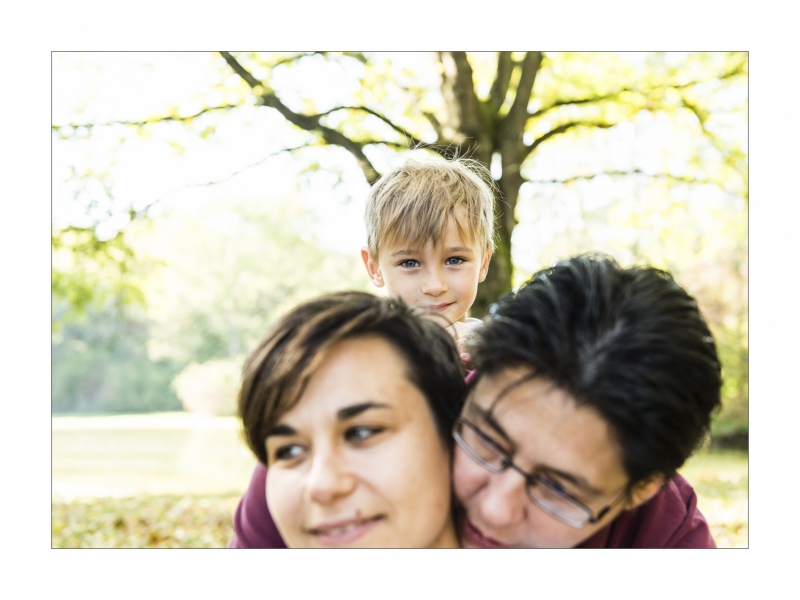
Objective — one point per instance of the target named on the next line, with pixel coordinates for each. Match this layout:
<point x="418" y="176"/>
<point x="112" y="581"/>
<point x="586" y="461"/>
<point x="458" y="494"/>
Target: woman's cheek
<point x="284" y="499"/>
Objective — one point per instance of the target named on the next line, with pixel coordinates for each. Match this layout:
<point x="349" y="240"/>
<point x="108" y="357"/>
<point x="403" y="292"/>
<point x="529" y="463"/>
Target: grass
<point x="721" y="482"/>
<point x="173" y="481"/>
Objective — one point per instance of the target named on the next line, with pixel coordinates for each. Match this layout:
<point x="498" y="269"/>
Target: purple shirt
<point x="253" y="526"/>
<point x="670" y="519"/>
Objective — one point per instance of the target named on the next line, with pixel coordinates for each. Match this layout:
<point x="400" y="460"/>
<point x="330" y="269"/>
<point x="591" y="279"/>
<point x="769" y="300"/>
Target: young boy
<point x="429" y="241"/>
<point x="429" y="237"/>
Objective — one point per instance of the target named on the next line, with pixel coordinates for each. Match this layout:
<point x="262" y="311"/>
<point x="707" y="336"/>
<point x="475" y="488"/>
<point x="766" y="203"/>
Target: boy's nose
<point x="434" y="283"/>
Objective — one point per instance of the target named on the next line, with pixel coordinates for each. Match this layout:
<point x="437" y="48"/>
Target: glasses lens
<point x="556" y="504"/>
<point x="479" y="448"/>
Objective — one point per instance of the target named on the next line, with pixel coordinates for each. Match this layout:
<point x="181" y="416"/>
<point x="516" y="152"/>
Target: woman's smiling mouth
<point x="343" y="532"/>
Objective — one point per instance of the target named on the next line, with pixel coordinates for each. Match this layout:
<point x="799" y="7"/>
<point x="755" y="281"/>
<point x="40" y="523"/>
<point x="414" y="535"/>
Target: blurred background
<point x="197" y="196"/>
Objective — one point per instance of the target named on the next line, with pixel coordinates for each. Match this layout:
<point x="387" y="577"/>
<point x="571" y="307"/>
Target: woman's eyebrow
<point x="348" y="412"/>
<point x="281" y="429"/>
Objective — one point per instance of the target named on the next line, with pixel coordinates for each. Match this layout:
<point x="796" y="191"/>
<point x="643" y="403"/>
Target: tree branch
<point x="497" y="95"/>
<point x="558" y="103"/>
<point x="561" y="129"/>
<point x="518" y="113"/>
<point x="729" y="155"/>
<point x="437" y="127"/>
<point x="218" y="181"/>
<point x="290" y="59"/>
<point x="309" y="123"/>
<point x="411" y="138"/>
<point x="737" y="70"/>
<point x="464" y="94"/>
<point x="243" y="169"/>
<point x="185" y="119"/>
<point x="357" y="55"/>
<point x="668" y="176"/>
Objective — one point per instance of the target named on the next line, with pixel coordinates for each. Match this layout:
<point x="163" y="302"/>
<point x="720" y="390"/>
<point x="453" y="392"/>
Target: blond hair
<point x="413" y="203"/>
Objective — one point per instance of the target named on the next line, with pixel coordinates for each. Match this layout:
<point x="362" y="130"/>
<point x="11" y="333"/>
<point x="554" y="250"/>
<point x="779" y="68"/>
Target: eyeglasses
<point x="543" y="491"/>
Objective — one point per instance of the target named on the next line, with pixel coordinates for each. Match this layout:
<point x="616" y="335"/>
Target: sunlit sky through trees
<point x="643" y="156"/>
<point x="173" y="165"/>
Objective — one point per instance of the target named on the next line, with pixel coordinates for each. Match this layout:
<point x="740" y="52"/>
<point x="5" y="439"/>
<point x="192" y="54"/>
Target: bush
<point x="211" y="387"/>
<point x="100" y="364"/>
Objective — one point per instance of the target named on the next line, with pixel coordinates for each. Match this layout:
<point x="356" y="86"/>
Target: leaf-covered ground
<point x="144" y="522"/>
<point x="192" y="521"/>
<point x="172" y="480"/>
<point x="722" y="483"/>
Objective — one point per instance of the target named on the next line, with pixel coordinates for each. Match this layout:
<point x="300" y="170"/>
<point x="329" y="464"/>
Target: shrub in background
<point x="209" y="388"/>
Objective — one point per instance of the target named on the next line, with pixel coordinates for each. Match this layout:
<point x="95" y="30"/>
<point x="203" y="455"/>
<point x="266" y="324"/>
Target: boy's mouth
<point x="439" y="307"/>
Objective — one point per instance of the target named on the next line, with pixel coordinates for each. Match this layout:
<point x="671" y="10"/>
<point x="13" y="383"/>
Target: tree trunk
<point x="499" y="278"/>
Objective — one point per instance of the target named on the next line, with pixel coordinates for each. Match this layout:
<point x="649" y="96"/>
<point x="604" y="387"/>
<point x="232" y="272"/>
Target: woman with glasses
<point x="593" y="384"/>
<point x="350" y="401"/>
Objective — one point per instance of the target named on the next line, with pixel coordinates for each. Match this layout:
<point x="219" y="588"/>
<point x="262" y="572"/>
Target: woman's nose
<point x="329" y="477"/>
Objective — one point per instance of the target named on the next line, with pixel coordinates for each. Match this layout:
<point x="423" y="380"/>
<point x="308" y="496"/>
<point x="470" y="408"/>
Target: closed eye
<point x="557" y="486"/>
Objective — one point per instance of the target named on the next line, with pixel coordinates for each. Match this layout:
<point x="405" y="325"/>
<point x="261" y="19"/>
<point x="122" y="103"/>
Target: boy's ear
<point x="485" y="266"/>
<point x="373" y="270"/>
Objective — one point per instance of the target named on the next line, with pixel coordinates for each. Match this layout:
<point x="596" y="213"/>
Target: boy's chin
<point x="459" y="330"/>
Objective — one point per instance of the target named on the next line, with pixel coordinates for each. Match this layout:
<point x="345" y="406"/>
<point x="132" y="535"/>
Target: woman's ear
<point x="373" y="270"/>
<point x="646" y="489"/>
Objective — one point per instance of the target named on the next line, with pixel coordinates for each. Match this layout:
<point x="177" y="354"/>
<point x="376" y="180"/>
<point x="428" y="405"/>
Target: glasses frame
<point x="531" y="479"/>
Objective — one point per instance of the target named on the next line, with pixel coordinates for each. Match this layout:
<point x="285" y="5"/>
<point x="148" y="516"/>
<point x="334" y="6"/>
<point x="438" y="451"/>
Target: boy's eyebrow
<point x="406" y="251"/>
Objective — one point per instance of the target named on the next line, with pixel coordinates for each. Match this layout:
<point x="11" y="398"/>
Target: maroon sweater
<point x="670" y="519"/>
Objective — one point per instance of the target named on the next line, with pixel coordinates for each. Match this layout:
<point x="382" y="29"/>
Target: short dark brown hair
<point x="278" y="370"/>
<point x="628" y="342"/>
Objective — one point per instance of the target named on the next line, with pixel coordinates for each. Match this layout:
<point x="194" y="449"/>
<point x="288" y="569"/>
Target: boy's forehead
<point x="455" y="236"/>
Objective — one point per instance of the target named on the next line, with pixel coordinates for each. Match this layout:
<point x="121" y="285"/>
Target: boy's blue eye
<point x="409" y="264"/>
<point x="454" y="260"/>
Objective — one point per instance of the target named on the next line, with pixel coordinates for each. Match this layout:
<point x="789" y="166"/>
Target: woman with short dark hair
<point x="350" y="401"/>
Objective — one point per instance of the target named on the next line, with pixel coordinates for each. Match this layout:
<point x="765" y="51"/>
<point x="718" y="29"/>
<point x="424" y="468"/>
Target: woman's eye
<point x="409" y="264"/>
<point x="289" y="452"/>
<point x="454" y="260"/>
<point x="361" y="433"/>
